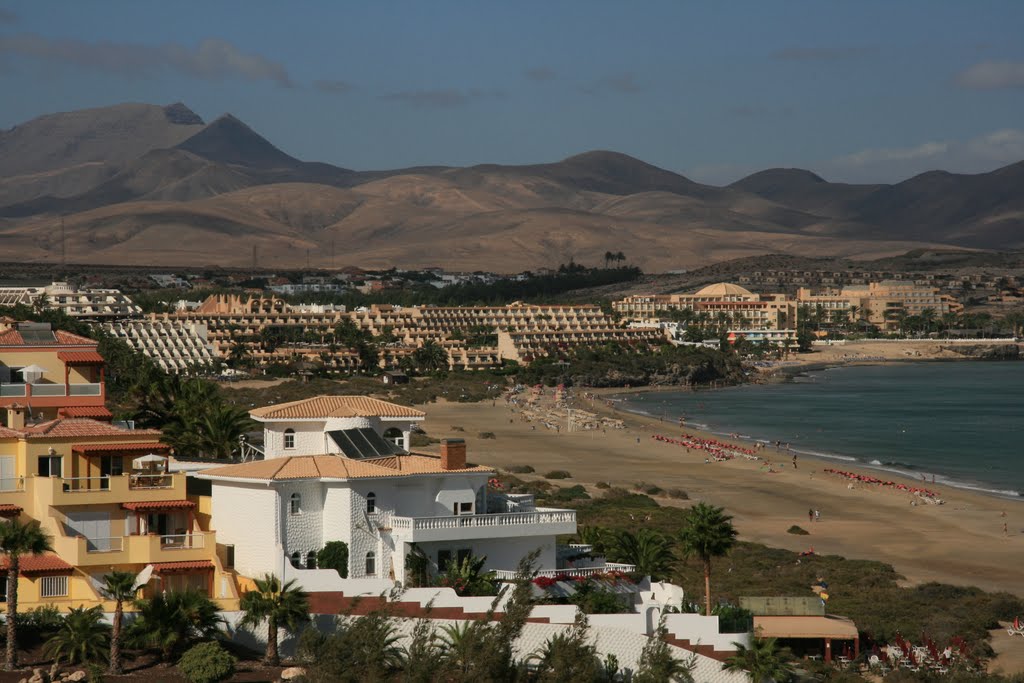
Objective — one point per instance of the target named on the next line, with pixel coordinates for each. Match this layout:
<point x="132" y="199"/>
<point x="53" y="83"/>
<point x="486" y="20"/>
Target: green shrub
<point x="571" y="493"/>
<point x="334" y="556"/>
<point x="207" y="663"/>
<point x="486" y="435"/>
<point x="456" y="428"/>
<point x="557" y="474"/>
<point x="649" y="489"/>
<point x="520" y="469"/>
<point x="603" y="485"/>
<point x="593" y="598"/>
<point x="799" y="531"/>
<point x="678" y="494"/>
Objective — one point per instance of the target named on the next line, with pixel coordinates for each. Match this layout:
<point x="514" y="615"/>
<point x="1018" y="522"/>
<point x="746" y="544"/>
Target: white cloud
<point x="893" y="164"/>
<point x="992" y="76"/>
<point x="212" y="59"/>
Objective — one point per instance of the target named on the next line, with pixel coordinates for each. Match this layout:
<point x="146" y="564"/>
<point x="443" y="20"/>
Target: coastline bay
<point x="961" y="422"/>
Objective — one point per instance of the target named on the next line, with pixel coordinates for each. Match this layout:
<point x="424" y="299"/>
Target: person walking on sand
<point x="794" y="461"/>
<point x="1006" y="531"/>
<point x="817" y="515"/>
<point x="810" y="515"/>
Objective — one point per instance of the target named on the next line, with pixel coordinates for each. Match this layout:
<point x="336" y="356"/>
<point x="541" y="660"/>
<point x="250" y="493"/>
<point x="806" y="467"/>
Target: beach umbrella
<point x="32" y="373"/>
<point x="148" y="459"/>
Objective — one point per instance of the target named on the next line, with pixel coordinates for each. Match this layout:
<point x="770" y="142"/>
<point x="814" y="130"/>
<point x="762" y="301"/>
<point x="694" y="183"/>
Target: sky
<point x="866" y="91"/>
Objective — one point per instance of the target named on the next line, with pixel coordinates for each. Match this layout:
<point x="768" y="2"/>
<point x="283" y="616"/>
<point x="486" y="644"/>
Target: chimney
<point x="16" y="417"/>
<point x="453" y="454"/>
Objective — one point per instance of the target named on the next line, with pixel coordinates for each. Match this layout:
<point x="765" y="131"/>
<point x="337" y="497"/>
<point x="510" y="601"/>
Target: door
<point x="110" y="466"/>
<point x="94" y="526"/>
<point x="7" y="478"/>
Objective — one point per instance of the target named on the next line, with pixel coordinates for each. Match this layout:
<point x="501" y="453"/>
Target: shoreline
<point x="960" y="542"/>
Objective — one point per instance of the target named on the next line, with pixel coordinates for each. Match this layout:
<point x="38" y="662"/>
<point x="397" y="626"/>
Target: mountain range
<point x="140" y="184"/>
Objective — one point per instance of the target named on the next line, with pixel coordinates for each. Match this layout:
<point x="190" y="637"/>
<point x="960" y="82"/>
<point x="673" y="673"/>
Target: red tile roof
<point x="320" y="407"/>
<point x="188" y="566"/>
<point x="9" y="510"/>
<point x="37" y="564"/>
<point x="80" y="427"/>
<point x="159" y="505"/>
<point x="100" y="448"/>
<point x="97" y="412"/>
<point x="60" y="338"/>
<point x="80" y="357"/>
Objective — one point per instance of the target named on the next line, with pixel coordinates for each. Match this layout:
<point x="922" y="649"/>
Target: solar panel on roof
<point x="33" y="337"/>
<point x="362" y="443"/>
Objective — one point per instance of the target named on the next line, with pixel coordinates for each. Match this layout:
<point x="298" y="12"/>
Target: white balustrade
<point x="568" y="573"/>
<point x="477" y="521"/>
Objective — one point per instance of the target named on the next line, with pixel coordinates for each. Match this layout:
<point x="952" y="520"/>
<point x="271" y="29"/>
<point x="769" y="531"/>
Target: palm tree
<point x="119" y="587"/>
<point x="220" y="428"/>
<point x="709" y="533"/>
<point x="647" y="549"/>
<point x="279" y="605"/>
<point x="17" y="539"/>
<point x="431" y="356"/>
<point x="608" y="257"/>
<point x="764" y="661"/>
<point x="170" y="621"/>
<point x="83" y="637"/>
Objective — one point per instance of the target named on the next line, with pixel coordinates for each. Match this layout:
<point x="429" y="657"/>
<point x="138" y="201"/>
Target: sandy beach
<point x="960" y="542"/>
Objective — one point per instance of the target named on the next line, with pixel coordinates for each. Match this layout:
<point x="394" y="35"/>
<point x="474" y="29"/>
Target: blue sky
<point x="856" y="91"/>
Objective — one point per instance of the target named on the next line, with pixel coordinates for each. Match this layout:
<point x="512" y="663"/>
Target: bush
<point x="487" y="435"/>
<point x="334" y="556"/>
<point x="649" y="489"/>
<point x="418" y="440"/>
<point x="557" y="474"/>
<point x="571" y="493"/>
<point x="456" y="428"/>
<point x="603" y="485"/>
<point x="207" y="663"/>
<point x="799" y="531"/>
<point x="678" y="494"/>
<point x="38" y="625"/>
<point x="520" y="469"/>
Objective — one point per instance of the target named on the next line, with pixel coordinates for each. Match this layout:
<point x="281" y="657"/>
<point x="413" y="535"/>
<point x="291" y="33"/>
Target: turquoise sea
<point x="960" y="421"/>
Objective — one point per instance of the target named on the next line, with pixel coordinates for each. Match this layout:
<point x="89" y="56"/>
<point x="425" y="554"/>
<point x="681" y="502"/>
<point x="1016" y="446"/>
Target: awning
<point x="36" y="565"/>
<point x="830" y="626"/>
<point x="119" y="448"/>
<point x="181" y="567"/>
<point x="95" y="412"/>
<point x="10" y="510"/>
<point x="159" y="505"/>
<point x="80" y="357"/>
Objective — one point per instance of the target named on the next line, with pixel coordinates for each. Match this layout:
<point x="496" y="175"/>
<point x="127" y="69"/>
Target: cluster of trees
<point x="617" y="365"/>
<point x="195" y="418"/>
<point x="812" y="319"/>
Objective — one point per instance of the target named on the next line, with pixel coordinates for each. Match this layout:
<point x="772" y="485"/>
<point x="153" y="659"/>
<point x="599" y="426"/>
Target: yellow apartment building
<point x="105" y="497"/>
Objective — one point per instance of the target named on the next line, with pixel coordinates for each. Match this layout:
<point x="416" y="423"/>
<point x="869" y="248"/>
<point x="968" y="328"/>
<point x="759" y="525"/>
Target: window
<point x="49" y="466"/>
<point x="53" y="586"/>
<point x="296" y="559"/>
<point x="295" y="504"/>
<point x="289" y="438"/>
<point x="371" y="502"/>
<point x="444" y="558"/>
<point x="311" y="559"/>
<point x="371" y="564"/>
<point x="462" y="508"/>
<point x="463" y="555"/>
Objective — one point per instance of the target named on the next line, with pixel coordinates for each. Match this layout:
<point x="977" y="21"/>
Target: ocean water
<point x="960" y="421"/>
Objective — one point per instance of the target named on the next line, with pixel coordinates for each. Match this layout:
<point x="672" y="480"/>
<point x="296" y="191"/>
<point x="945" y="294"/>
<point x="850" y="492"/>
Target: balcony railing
<point x="182" y="541"/>
<point x="113" y="544"/>
<point x="12" y="390"/>
<point x="89" y="389"/>
<point x="12" y="484"/>
<point x="48" y="390"/>
<point x="150" y="481"/>
<point x="508" y="575"/>
<point x="478" y="521"/>
<point x="84" y="484"/>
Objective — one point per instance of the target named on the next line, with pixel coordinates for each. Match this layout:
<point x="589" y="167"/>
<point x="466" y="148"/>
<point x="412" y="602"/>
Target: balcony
<point x="146" y="549"/>
<point x="541" y="522"/>
<point x="508" y="575"/>
<point x="124" y="488"/>
<point x="12" y="390"/>
<point x="48" y="392"/>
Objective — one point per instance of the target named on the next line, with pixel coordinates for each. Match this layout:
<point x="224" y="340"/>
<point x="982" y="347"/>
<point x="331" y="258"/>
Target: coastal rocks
<point x="292" y="673"/>
<point x="987" y="351"/>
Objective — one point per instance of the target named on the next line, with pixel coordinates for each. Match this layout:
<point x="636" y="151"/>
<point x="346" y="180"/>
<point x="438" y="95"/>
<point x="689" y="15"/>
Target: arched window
<point x="371" y="502"/>
<point x="297" y="559"/>
<point x="295" y="505"/>
<point x="371" y="564"/>
<point x="289" y="438"/>
<point x="311" y="559"/>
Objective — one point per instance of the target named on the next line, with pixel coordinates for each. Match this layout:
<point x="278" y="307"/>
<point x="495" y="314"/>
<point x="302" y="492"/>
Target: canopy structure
<point x="32" y="373"/>
<point x="148" y="460"/>
<point x="828" y="628"/>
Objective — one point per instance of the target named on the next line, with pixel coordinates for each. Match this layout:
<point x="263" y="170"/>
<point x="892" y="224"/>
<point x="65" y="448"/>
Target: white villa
<point x="338" y="468"/>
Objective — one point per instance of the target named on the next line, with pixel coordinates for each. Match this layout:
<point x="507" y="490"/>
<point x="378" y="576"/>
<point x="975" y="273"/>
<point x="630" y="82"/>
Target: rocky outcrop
<point x="986" y="351"/>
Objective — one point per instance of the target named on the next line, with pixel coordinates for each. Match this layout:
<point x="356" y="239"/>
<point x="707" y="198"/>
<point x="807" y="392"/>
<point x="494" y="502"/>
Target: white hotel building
<point x="338" y="468"/>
